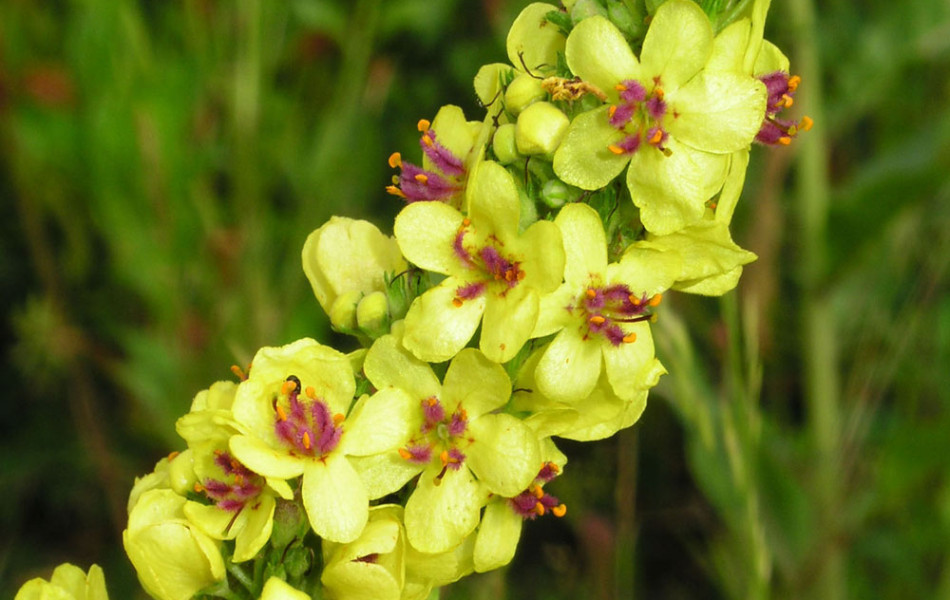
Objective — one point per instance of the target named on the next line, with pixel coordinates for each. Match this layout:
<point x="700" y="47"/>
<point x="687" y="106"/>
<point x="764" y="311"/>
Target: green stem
<point x="822" y="387"/>
<point x="243" y="578"/>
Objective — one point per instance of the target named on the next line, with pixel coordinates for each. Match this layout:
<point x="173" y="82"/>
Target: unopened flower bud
<point x="68" y="582"/>
<point x="555" y="193"/>
<point x="372" y="314"/>
<point x="181" y="473"/>
<point x="524" y="91"/>
<point x="583" y="9"/>
<point x="342" y="312"/>
<point x="506" y="150"/>
<point x="540" y="128"/>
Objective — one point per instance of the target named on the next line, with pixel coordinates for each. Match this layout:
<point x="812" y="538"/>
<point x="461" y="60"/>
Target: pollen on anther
<point x="634" y="300"/>
<point x="787" y="100"/>
<point x="785" y="140"/>
<point x="539" y="508"/>
<point x="457" y="302"/>
<point x="657" y="136"/>
<point x="611" y="110"/>
<point x="172" y="455"/>
<point x="423" y="125"/>
<point x="405" y="453"/>
<point x="306" y="440"/>
<point x="560" y="510"/>
<point x="615" y="149"/>
<point x="338" y="418"/>
<point x="421" y="178"/>
<point x="591" y="293"/>
<point x="597" y="320"/>
<point x="630" y="338"/>
<point x="395" y="191"/>
<point x="395" y="160"/>
<point x="537" y="491"/>
<point x="288" y="387"/>
<point x="427" y="140"/>
<point x="656" y="299"/>
<point x="280" y="412"/>
<point x="806" y="123"/>
<point x="444" y="457"/>
<point x="310" y="392"/>
<point x="238" y="372"/>
<point x="198" y="487"/>
<point x="793" y="82"/>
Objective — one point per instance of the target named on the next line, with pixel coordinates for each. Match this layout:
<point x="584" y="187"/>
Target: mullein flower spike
<point x="367" y="475"/>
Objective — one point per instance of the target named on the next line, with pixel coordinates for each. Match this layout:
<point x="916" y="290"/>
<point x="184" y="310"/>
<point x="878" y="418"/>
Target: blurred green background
<point x="163" y="162"/>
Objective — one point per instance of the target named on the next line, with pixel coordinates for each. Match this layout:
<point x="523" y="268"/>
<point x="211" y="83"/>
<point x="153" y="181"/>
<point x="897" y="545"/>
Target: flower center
<point x="605" y="309"/>
<point x="494" y="267"/>
<point x="305" y="425"/>
<point x="534" y="501"/>
<point x="440" y="437"/>
<point x="237" y="486"/>
<point x="639" y="116"/>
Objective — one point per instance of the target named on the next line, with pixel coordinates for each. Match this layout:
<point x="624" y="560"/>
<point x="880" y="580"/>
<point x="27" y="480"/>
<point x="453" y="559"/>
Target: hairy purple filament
<point x="534" y="501"/>
<point x="639" y="117"/>
<point x="238" y="487"/>
<point x="606" y="308"/>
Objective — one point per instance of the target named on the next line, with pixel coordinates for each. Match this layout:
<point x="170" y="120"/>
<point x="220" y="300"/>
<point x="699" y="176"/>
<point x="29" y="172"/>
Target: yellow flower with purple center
<point x="601" y="313"/>
<point x="460" y="448"/>
<point x="495" y="275"/>
<point x="674" y="122"/>
<point x="293" y="410"/>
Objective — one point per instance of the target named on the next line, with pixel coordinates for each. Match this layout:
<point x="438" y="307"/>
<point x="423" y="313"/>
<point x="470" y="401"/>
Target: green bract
<point x="463" y="449"/>
<point x="495" y="274"/>
<point x="172" y="558"/>
<point x="68" y="582"/>
<point x="673" y="121"/>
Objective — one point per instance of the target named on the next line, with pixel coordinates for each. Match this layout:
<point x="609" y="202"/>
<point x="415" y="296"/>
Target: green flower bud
<point x="524" y="91"/>
<point x="506" y="150"/>
<point x="555" y="193"/>
<point x="343" y="310"/>
<point x="298" y="560"/>
<point x="583" y="9"/>
<point x="630" y="24"/>
<point x="290" y="522"/>
<point x="540" y="128"/>
<point x="372" y="314"/>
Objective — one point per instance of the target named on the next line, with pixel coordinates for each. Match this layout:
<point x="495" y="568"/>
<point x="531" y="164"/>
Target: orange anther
<point x="787" y="100"/>
<point x="620" y="87"/>
<point x="539" y="508"/>
<point x="198" y="487"/>
<point x="405" y="453"/>
<point x="806" y="123"/>
<point x="432" y="400"/>
<point x="395" y="160"/>
<point x="657" y="136"/>
<point x="444" y="457"/>
<point x="427" y="140"/>
<point x="537" y="491"/>
<point x="560" y="510"/>
<point x="457" y="302"/>
<point x="597" y="320"/>
<point x="521" y="275"/>
<point x="615" y="149"/>
<point x="591" y="293"/>
<point x="793" y="82"/>
<point x="338" y="418"/>
<point x="172" y="455"/>
<point x="553" y="467"/>
<point x="311" y="393"/>
<point x="611" y="110"/>
<point x="466" y="222"/>
<point x="659" y="92"/>
<point x="238" y="372"/>
<point x="239" y="479"/>
<point x="287" y="387"/>
<point x="423" y="125"/>
<point x="395" y="191"/>
<point x="656" y="299"/>
<point x="422" y="178"/>
<point x="306" y="440"/>
<point x="280" y="412"/>
<point x="785" y="140"/>
<point x="630" y="338"/>
<point x="634" y="300"/>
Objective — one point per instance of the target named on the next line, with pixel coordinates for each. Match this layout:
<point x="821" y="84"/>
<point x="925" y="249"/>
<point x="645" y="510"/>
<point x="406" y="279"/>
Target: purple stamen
<point x="433" y="412"/>
<point x="622" y="114"/>
<point x="633" y="91"/>
<point x="470" y="291"/>
<point x="656" y="107"/>
<point x="419" y="185"/>
<point x="459" y="248"/>
<point x="441" y="157"/>
<point x="456" y="458"/>
<point x="459" y="423"/>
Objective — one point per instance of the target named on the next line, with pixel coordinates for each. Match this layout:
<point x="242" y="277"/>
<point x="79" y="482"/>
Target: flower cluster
<point x="512" y="307"/>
